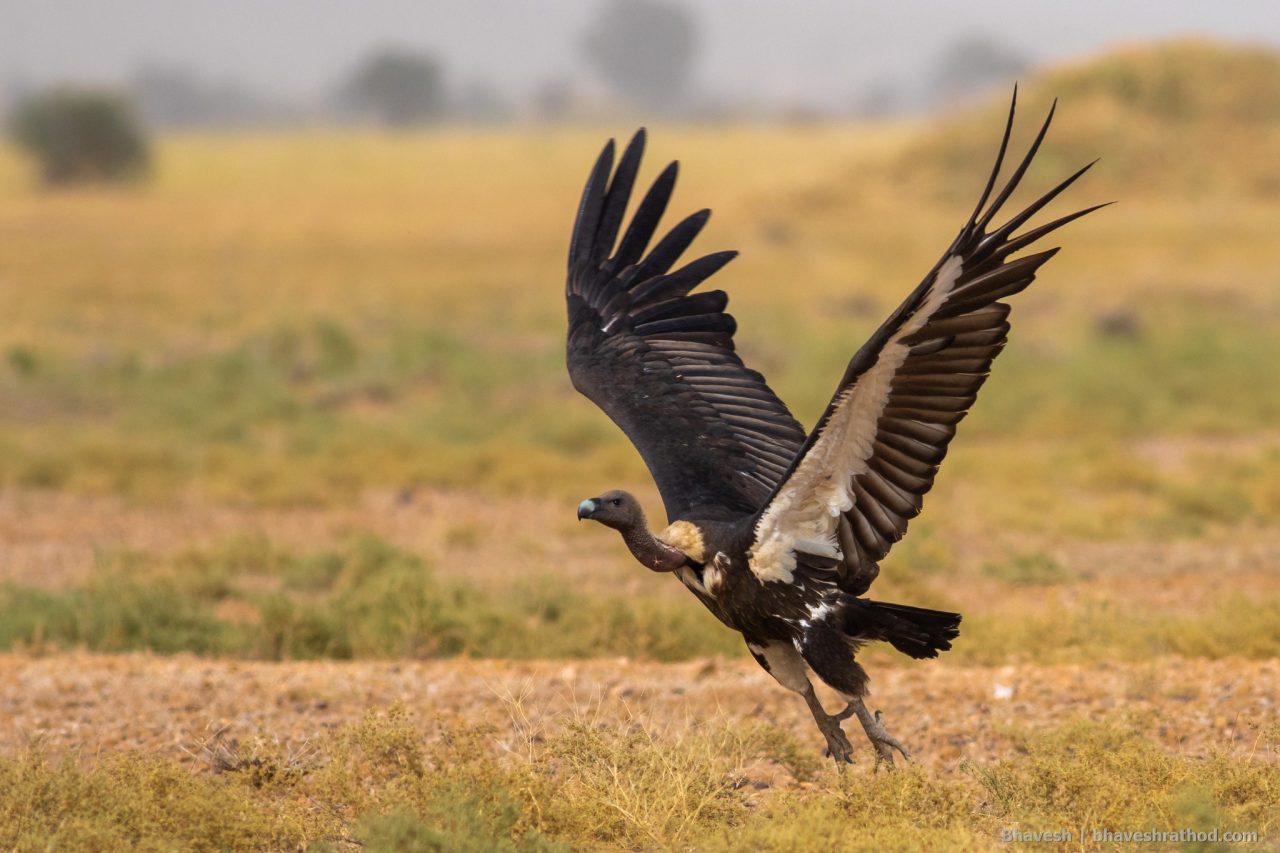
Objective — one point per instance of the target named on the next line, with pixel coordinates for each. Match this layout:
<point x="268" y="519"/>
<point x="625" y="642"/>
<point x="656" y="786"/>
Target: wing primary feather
<point x="645" y="220"/>
<point x="995" y="170"/>
<point x="1016" y="177"/>
<point x="1024" y="240"/>
<point x="588" y="220"/>
<point x="683" y="280"/>
<point x="671" y="247"/>
<point x="615" y="200"/>
<point x="1004" y="274"/>
<point x="1031" y="210"/>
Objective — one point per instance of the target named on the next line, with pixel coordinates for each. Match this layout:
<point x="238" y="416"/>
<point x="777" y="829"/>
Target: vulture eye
<point x="616" y="501"/>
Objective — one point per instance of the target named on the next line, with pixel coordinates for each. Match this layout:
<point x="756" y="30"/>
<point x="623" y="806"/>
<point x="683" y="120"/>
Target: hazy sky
<point x="812" y="51"/>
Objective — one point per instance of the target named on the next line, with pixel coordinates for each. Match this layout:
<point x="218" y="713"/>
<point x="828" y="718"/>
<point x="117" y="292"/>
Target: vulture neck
<point x="655" y="554"/>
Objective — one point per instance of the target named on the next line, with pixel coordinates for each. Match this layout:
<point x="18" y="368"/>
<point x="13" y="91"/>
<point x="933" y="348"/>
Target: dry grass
<point x="603" y="782"/>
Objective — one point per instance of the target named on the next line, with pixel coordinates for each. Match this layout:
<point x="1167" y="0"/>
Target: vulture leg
<point x="783" y="662"/>
<point x="838" y="746"/>
<point x="879" y="736"/>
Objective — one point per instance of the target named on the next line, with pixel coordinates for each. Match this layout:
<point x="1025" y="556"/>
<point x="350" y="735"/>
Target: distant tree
<point x="553" y="99"/>
<point x="644" y="49"/>
<point x="171" y="96"/>
<point x="81" y="135"/>
<point x="974" y="63"/>
<point x="882" y="98"/>
<point x="479" y="101"/>
<point x="396" y="86"/>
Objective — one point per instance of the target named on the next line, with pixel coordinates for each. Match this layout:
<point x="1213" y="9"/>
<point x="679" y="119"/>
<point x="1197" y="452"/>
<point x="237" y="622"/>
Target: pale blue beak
<point x="586" y="508"/>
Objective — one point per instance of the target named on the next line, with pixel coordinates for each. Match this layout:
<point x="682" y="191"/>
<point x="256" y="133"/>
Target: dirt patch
<point x="96" y="704"/>
<point x="57" y="540"/>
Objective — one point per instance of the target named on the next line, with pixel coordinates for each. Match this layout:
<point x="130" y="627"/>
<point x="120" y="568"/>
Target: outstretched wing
<point x="866" y="466"/>
<point x="661" y="362"/>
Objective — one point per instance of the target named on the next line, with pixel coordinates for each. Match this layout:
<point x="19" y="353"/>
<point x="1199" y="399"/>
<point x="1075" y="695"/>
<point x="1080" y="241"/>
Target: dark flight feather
<point x="661" y="362"/>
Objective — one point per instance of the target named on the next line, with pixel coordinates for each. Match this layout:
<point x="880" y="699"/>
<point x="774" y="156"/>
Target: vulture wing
<point x="863" y="471"/>
<point x="661" y="362"/>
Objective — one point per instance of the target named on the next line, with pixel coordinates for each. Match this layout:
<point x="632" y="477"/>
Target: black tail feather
<point x="913" y="631"/>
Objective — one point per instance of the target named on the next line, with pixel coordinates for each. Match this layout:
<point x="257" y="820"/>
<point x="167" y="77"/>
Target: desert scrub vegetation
<point x="319" y="415"/>
<point x="247" y="597"/>
<point x="377" y="785"/>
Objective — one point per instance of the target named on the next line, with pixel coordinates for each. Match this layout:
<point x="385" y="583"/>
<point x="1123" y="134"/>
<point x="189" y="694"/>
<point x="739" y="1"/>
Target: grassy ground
<point x="301" y="396"/>
<point x="618" y="754"/>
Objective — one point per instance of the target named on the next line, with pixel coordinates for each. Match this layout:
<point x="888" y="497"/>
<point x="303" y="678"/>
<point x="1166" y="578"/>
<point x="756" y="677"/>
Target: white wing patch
<point x="803" y="515"/>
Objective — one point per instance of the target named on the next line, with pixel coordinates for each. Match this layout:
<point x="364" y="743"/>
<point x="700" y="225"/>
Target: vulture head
<point x="616" y="509"/>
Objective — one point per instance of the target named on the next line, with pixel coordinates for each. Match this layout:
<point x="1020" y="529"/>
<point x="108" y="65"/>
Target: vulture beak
<point x="586" y="508"/>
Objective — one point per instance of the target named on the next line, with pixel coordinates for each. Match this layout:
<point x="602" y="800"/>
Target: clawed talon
<point x="879" y="736"/>
<point x="838" y="746"/>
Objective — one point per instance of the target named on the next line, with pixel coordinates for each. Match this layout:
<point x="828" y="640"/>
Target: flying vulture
<point x="778" y="532"/>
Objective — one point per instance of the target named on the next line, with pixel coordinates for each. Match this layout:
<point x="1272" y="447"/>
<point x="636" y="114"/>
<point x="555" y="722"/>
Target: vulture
<point x="779" y="531"/>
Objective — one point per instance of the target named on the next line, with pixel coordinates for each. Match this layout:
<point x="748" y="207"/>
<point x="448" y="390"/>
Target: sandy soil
<point x="169" y="706"/>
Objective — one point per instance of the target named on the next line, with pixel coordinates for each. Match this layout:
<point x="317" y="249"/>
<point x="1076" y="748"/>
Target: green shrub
<point x="1027" y="568"/>
<point x="81" y="135"/>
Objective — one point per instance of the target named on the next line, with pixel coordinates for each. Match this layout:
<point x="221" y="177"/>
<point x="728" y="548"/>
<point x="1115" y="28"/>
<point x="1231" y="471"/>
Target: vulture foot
<point x="879" y="736"/>
<point x="838" y="746"/>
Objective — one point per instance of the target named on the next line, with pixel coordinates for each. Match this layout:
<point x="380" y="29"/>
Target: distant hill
<point x="1186" y="118"/>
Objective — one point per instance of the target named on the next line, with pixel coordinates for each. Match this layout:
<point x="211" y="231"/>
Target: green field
<point x="302" y="396"/>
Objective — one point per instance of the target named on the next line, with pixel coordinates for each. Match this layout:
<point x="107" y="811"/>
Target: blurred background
<point x="281" y="355"/>
<point x="240" y="64"/>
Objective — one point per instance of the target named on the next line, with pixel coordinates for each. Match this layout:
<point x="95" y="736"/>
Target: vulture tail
<point x="913" y="631"/>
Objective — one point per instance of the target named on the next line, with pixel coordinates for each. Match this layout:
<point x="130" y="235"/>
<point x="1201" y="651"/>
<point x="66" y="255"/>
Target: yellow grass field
<point x="289" y="462"/>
